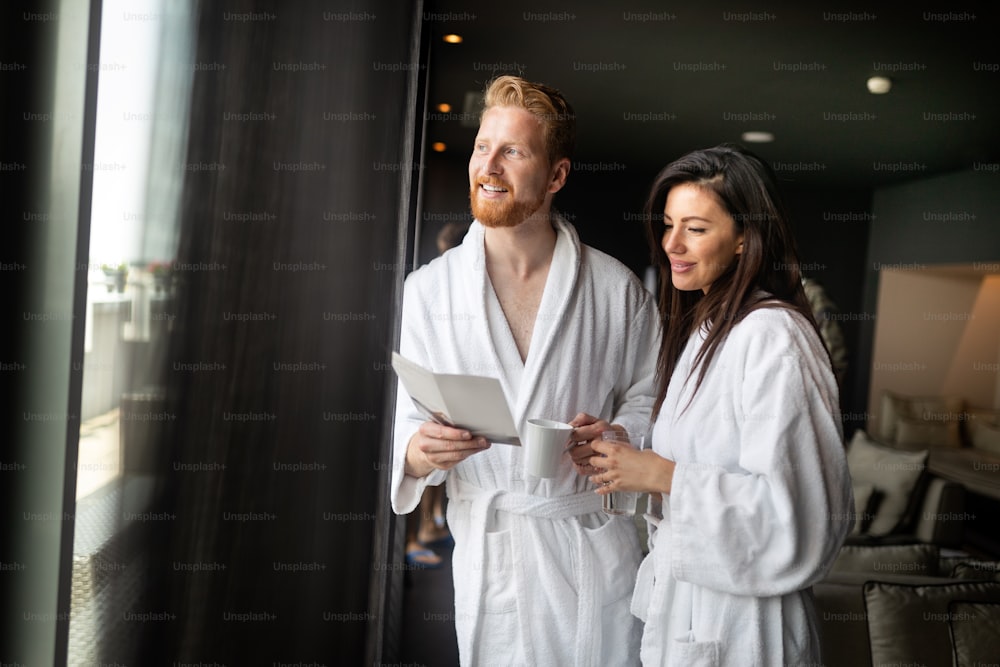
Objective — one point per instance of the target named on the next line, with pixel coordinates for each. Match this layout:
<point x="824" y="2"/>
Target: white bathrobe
<point x="542" y="576"/>
<point x="760" y="502"/>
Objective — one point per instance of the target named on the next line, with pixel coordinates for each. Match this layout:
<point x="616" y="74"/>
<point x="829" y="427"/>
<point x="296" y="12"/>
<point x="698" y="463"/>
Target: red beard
<point x="506" y="213"/>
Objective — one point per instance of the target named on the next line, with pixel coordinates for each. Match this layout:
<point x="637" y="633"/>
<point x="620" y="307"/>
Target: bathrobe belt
<point x="588" y="612"/>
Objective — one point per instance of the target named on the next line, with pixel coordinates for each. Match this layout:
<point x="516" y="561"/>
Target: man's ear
<point x="560" y="170"/>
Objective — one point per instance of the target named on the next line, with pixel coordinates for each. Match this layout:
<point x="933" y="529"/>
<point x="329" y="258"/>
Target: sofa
<point x="962" y="441"/>
<point x="909" y="605"/>
<point x="911" y="443"/>
<point x="905" y="590"/>
<point x="899" y="500"/>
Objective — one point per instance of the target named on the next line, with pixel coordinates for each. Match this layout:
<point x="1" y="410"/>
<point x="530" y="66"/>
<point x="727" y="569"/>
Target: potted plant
<point x="117" y="273"/>
<point x="161" y="275"/>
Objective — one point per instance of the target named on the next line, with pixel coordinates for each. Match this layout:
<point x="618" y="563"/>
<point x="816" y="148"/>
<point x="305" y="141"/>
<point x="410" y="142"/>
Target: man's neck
<point x="522" y="250"/>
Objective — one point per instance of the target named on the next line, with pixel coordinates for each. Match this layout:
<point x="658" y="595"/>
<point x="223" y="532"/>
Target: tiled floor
<point x="107" y="566"/>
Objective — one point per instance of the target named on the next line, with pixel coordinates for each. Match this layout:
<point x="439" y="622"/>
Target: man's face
<point x="510" y="175"/>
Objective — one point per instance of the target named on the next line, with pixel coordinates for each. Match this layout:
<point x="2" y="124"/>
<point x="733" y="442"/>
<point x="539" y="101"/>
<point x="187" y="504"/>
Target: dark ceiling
<point x="650" y="81"/>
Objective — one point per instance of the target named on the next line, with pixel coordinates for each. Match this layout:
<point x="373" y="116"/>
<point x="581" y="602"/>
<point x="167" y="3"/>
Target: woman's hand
<point x="624" y="468"/>
<point x="587" y="429"/>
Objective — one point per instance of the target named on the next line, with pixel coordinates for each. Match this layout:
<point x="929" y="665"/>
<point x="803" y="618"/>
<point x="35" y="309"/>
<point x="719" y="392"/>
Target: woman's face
<point x="699" y="237"/>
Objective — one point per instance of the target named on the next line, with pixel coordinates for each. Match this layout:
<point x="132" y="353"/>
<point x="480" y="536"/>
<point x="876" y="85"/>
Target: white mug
<point x="544" y="445"/>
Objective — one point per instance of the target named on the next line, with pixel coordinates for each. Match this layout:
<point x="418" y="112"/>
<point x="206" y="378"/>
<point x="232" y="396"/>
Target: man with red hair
<point x="542" y="576"/>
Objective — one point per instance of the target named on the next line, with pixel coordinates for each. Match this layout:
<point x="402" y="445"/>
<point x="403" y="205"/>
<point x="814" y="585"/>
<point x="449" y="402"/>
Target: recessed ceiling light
<point x="453" y="38"/>
<point x="757" y="137"/>
<point x="439" y="146"/>
<point x="444" y="107"/>
<point x="879" y="85"/>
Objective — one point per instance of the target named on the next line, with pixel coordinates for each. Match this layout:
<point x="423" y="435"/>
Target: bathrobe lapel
<point x="519" y="379"/>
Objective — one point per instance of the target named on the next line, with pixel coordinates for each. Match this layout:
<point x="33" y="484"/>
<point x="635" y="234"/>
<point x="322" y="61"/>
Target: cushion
<point x="981" y="570"/>
<point x="978" y="417"/>
<point x="947" y="563"/>
<point x="913" y="559"/>
<point x="889" y="412"/>
<point x="842" y="626"/>
<point x="985" y="435"/>
<point x="914" y="433"/>
<point x="894" y="473"/>
<point x="866" y="500"/>
<point x="908" y="624"/>
<point x="946" y="410"/>
<point x="975" y="633"/>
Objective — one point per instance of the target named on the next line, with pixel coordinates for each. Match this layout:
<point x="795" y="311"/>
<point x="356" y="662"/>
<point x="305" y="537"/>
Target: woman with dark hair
<point x="750" y="496"/>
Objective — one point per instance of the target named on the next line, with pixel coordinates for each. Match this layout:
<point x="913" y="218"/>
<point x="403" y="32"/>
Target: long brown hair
<point x="766" y="274"/>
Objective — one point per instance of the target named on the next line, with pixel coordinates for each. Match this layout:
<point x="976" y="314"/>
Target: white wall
<point x="936" y="334"/>
<point x="974" y="370"/>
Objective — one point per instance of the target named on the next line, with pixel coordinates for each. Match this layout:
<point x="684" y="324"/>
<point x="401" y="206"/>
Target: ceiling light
<point x="444" y="107"/>
<point x="439" y="146"/>
<point x="879" y="85"/>
<point x="453" y="38"/>
<point x="757" y="137"/>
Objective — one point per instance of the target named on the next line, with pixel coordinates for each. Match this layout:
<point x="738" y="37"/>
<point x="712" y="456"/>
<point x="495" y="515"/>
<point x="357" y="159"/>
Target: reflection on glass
<point x="142" y="94"/>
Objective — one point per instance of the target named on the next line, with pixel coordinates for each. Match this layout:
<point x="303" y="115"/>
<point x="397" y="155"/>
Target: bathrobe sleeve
<point x="635" y="389"/>
<point x="406" y="490"/>
<point x="772" y="523"/>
